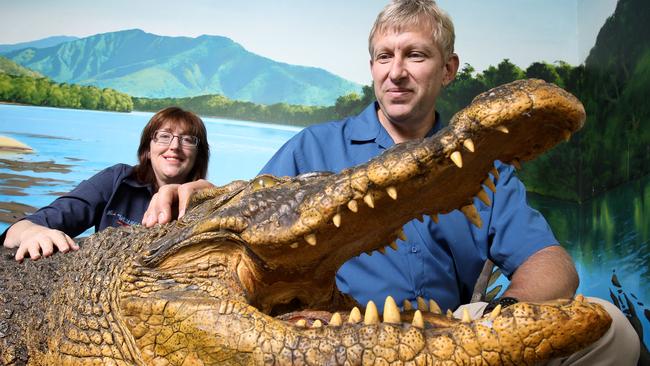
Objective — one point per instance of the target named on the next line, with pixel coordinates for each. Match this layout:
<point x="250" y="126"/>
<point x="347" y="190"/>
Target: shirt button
<point x="414" y="249"/>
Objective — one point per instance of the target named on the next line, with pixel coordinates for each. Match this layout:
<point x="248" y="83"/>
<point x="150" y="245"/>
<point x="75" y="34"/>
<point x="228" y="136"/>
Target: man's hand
<point x="171" y="196"/>
<point x="37" y="240"/>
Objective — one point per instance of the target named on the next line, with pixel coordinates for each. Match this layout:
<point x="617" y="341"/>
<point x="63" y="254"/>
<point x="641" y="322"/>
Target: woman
<point x="173" y="150"/>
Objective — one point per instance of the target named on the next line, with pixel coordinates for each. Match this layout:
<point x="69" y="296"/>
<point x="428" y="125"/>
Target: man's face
<point x="408" y="71"/>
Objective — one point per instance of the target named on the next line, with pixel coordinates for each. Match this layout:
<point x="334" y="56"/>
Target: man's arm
<point x="548" y="274"/>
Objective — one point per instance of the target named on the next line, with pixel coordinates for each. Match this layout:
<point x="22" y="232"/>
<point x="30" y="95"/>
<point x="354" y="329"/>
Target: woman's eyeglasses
<point x="165" y="138"/>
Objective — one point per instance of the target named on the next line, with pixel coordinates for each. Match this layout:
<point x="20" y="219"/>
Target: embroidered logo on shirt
<point x="121" y="219"/>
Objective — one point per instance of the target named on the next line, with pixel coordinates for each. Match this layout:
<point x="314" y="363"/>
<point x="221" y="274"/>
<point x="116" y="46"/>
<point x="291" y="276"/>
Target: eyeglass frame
<point x="179" y="137"/>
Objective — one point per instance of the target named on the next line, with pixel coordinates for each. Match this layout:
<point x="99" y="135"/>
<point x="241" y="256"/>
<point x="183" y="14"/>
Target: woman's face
<point x="172" y="160"/>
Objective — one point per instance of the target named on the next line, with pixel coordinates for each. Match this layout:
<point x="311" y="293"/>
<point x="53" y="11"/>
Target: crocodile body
<point x="247" y="275"/>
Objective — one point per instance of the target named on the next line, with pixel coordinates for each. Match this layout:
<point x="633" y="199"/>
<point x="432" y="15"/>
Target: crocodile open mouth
<point x="270" y="248"/>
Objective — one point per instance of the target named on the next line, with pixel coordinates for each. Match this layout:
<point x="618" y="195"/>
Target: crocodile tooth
<point x="222" y="307"/>
<point x="369" y="200"/>
<point x="392" y="192"/>
<point x="495" y="312"/>
<point x="457" y="159"/>
<point x="422" y="304"/>
<point x="472" y="215"/>
<point x="310" y="239"/>
<point x="469" y="145"/>
<point x="449" y="314"/>
<point x="293" y="245"/>
<point x="355" y="315"/>
<point x="466" y="317"/>
<point x="580" y="298"/>
<point x="495" y="173"/>
<point x="516" y="163"/>
<point x="382" y="250"/>
<point x="337" y="220"/>
<point x="566" y="134"/>
<point x="391" y="311"/>
<point x="434" y="217"/>
<point x="393" y="244"/>
<point x="503" y="129"/>
<point x="483" y="197"/>
<point x="372" y="315"/>
<point x="353" y="206"/>
<point x="488" y="183"/>
<point x="434" y="307"/>
<point x="335" y="320"/>
<point x="301" y="323"/>
<point x="418" y="322"/>
<point x="401" y="236"/>
<point x="407" y="305"/>
<point x="317" y="324"/>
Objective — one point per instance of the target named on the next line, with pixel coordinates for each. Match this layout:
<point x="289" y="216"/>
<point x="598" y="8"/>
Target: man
<point x="411" y="47"/>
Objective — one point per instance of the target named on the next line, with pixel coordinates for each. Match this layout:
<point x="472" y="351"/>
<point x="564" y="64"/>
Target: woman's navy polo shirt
<point x="109" y="198"/>
<point x="439" y="261"/>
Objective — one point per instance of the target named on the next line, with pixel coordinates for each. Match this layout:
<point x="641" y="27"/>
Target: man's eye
<point x="417" y="56"/>
<point x="383" y="58"/>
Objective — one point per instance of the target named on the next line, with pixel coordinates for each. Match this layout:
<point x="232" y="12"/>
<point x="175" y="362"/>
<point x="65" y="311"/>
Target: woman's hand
<point x="39" y="241"/>
<point x="161" y="207"/>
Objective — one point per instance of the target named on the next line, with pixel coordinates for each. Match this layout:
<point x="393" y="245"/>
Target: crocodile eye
<point x="264" y="181"/>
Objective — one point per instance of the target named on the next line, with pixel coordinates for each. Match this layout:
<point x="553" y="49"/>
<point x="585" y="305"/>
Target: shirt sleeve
<point x="517" y="230"/>
<point x="79" y="209"/>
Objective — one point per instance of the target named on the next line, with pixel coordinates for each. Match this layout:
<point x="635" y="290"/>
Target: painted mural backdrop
<point x="595" y="189"/>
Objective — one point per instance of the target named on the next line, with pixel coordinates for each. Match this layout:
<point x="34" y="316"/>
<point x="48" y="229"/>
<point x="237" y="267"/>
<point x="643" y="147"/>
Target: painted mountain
<point x="9" y="67"/>
<point x="148" y="65"/>
<point x="41" y="43"/>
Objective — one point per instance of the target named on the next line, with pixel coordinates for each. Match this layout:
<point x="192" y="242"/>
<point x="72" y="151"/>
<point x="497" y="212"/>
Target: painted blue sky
<point x="329" y="34"/>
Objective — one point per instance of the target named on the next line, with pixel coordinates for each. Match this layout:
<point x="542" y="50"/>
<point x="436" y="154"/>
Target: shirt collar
<point x="133" y="182"/>
<point x="367" y="128"/>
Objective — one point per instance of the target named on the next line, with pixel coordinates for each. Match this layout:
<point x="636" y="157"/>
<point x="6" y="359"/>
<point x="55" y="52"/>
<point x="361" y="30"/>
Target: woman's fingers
<point x="42" y="244"/>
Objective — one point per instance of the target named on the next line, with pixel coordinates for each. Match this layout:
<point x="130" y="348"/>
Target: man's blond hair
<point x="401" y="15"/>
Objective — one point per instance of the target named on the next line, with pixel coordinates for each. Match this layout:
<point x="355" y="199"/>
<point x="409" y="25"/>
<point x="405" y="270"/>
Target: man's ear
<point x="451" y="68"/>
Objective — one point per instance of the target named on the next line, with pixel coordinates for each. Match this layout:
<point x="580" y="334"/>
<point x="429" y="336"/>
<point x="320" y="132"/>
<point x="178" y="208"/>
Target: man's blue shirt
<point x="438" y="261"/>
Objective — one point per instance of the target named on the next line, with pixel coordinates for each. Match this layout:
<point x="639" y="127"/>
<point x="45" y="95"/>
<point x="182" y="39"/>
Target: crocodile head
<point x="248" y="253"/>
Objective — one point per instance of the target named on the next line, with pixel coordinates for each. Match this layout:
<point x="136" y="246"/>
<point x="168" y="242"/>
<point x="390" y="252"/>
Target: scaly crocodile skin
<point x="247" y="276"/>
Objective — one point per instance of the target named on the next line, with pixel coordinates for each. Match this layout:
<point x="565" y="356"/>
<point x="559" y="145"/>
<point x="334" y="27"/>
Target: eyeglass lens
<point x="165" y="138"/>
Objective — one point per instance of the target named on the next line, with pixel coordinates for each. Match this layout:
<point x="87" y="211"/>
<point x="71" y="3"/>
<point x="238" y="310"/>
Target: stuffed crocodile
<point x="247" y="276"/>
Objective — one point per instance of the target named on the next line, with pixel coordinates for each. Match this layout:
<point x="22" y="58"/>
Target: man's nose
<point x="397" y="69"/>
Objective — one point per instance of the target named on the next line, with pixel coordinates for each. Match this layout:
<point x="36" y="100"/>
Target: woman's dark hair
<point x="144" y="173"/>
